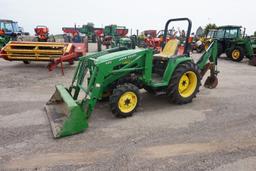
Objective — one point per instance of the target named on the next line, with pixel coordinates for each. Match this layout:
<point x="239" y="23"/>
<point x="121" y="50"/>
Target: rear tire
<point x="236" y="54"/>
<point x="124" y="100"/>
<point x="184" y="84"/>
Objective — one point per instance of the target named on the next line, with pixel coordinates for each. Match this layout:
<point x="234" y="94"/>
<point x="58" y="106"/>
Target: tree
<point x="255" y="33"/>
<point x="209" y="27"/>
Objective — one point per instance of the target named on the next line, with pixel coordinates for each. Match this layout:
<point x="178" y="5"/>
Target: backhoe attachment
<point x="209" y="55"/>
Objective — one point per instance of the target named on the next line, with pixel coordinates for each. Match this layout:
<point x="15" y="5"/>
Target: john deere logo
<point x="128" y="57"/>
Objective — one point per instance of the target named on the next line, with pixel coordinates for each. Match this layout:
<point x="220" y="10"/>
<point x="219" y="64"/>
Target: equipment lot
<point x="215" y="132"/>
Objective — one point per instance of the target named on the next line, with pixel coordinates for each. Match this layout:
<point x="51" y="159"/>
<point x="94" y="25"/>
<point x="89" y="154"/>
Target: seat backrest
<point x="171" y="47"/>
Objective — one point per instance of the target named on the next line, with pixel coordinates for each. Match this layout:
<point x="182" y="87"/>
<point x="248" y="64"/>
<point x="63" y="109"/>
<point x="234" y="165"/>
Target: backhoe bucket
<point x="211" y="82"/>
<point x="65" y="115"/>
<point x="253" y="61"/>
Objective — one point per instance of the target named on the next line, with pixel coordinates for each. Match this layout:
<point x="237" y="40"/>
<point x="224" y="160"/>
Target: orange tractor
<point x="153" y="40"/>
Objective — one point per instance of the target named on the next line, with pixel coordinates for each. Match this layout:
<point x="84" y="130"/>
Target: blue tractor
<point x="9" y="30"/>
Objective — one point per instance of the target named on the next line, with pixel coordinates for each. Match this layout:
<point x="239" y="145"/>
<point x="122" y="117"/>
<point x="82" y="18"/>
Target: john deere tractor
<point x="233" y="42"/>
<point x="89" y="31"/>
<point x="119" y="74"/>
<point x="111" y="36"/>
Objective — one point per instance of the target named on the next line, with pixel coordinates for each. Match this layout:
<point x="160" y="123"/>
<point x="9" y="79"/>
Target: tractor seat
<point x="170" y="49"/>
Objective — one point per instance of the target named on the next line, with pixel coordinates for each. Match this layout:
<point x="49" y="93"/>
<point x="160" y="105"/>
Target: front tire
<point x="124" y="100"/>
<point x="184" y="84"/>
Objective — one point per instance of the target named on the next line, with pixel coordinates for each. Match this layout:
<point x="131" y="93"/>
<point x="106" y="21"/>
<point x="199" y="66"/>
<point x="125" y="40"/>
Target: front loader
<point x="118" y="74"/>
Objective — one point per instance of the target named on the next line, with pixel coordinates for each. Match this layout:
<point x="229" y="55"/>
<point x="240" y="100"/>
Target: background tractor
<point x="149" y="39"/>
<point x="77" y="34"/>
<point x="234" y="42"/>
<point x="42" y="34"/>
<point x="89" y="31"/>
<point x="153" y="39"/>
<point x="72" y="35"/>
<point x="119" y="74"/>
<point x="151" y="33"/>
<point x="111" y="36"/>
<point x="9" y="30"/>
<point x="202" y="43"/>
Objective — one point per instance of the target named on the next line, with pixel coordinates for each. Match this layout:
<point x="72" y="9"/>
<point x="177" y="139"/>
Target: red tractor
<point x="149" y="39"/>
<point x="42" y="34"/>
<point x="152" y="39"/>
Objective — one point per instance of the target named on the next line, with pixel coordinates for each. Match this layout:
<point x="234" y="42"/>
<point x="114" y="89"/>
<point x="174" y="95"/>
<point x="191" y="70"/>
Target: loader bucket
<point x="65" y="115"/>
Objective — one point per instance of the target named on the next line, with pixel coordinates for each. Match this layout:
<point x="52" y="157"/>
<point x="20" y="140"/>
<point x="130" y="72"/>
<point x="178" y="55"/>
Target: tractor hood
<point x="119" y="55"/>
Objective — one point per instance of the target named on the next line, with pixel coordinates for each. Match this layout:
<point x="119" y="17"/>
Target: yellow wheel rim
<point x="235" y="54"/>
<point x="187" y="84"/>
<point x="206" y="46"/>
<point x="127" y="102"/>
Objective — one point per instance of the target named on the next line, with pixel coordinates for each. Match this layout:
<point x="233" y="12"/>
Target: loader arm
<point x="82" y="68"/>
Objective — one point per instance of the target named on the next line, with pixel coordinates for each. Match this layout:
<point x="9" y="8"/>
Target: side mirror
<point x="2" y="32"/>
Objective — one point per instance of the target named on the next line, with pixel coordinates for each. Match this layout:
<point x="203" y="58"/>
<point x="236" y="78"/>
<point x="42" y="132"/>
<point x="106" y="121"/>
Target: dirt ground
<point x="216" y="132"/>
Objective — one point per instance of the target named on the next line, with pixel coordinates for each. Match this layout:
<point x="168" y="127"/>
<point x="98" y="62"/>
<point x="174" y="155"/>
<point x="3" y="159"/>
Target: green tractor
<point x="233" y="42"/>
<point x="119" y="73"/>
<point x="89" y="31"/>
<point x="111" y="37"/>
<point x="9" y="30"/>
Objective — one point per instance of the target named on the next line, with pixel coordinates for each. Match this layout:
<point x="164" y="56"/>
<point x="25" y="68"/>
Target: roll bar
<point x="186" y="50"/>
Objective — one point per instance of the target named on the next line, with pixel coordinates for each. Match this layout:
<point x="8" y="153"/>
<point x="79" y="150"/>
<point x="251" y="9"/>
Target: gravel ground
<point x="216" y="132"/>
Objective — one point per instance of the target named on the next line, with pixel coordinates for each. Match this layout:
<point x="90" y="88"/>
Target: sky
<point x="134" y="14"/>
